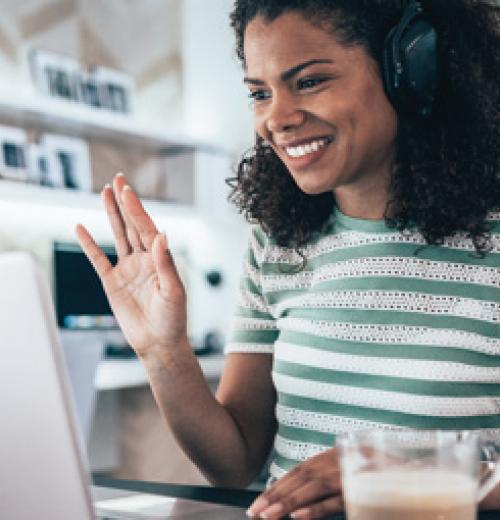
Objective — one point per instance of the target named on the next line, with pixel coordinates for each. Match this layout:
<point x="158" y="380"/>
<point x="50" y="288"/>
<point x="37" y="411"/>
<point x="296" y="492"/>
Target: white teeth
<point x="300" y="151"/>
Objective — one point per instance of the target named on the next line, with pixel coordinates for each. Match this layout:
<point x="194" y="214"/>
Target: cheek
<point x="385" y="124"/>
<point x="260" y="125"/>
<point x="376" y="119"/>
<point x="381" y="106"/>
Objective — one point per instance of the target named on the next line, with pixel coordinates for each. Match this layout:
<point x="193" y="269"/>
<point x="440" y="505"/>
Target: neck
<point x="369" y="204"/>
<point x="367" y="197"/>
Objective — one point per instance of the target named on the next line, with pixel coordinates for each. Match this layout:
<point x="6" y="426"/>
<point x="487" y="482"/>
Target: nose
<point x="283" y="114"/>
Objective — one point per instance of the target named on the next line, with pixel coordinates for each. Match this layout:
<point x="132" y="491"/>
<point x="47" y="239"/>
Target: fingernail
<point x="300" y="513"/>
<point x="126" y="187"/>
<point x="275" y="509"/>
<point x="119" y="174"/>
<point x="259" y="505"/>
<point x="107" y="185"/>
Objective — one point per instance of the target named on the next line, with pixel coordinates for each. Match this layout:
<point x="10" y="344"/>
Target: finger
<point x="133" y="236"/>
<point x="308" y="493"/>
<point x="329" y="506"/>
<point x="163" y="261"/>
<point x="123" y="247"/>
<point x="294" y="479"/>
<point x="297" y="478"/>
<point x="140" y="219"/>
<point x="273" y="495"/>
<point x="94" y="253"/>
<point x="119" y="182"/>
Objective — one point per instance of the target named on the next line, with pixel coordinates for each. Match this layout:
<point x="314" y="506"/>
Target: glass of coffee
<point x="416" y="474"/>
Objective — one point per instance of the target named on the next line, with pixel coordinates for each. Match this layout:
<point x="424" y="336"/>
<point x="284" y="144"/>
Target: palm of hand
<point x="144" y="289"/>
<point x="146" y="314"/>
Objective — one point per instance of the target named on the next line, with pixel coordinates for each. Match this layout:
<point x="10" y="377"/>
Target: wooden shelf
<point x="118" y="374"/>
<point x="70" y="118"/>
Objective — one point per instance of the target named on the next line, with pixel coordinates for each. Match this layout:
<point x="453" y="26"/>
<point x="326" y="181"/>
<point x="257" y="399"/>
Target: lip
<point x="304" y="162"/>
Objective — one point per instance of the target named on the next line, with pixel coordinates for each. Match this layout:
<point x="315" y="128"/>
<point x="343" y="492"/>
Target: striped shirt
<point x="377" y="331"/>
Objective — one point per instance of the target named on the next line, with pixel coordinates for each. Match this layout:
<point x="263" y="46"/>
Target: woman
<point x="371" y="292"/>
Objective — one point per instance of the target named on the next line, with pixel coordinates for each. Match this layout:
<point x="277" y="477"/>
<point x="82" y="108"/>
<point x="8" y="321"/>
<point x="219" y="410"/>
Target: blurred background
<point x="153" y="89"/>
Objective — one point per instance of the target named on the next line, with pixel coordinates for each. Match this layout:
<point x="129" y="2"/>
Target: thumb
<point x="164" y="263"/>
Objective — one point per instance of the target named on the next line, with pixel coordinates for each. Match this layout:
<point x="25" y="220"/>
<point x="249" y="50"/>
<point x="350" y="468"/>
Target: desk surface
<point x="231" y="497"/>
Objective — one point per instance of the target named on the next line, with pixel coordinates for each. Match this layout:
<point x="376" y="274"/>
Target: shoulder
<point x="258" y="237"/>
<point x="268" y="251"/>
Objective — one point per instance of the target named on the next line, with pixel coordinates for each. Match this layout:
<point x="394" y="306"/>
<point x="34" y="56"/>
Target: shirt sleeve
<point x="253" y="328"/>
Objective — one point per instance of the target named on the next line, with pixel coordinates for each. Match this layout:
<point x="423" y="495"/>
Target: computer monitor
<point x="79" y="298"/>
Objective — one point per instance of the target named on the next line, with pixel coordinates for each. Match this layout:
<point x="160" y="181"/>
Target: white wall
<point x="215" y="109"/>
<point x="216" y="106"/>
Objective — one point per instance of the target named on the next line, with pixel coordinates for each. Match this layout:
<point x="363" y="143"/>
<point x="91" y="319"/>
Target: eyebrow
<point x="288" y="74"/>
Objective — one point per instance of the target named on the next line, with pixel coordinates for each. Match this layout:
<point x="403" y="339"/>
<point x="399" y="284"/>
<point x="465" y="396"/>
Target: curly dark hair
<point x="446" y="175"/>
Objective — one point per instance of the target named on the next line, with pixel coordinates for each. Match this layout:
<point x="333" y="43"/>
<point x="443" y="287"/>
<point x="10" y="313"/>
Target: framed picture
<point x="13" y="153"/>
<point x="54" y="74"/>
<point x="43" y="166"/>
<point x="117" y="89"/>
<point x="89" y="90"/>
<point x="63" y="77"/>
<point x="68" y="162"/>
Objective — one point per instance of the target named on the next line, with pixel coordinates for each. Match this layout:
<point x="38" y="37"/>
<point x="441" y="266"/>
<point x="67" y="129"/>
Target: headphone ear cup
<point x="410" y="63"/>
<point x="420" y="66"/>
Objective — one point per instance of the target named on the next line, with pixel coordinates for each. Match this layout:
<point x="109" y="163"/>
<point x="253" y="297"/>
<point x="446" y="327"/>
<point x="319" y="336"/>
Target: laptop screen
<point x="43" y="472"/>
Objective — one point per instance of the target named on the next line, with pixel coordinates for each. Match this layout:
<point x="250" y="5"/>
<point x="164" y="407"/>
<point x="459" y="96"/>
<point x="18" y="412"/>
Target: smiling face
<point x="321" y="106"/>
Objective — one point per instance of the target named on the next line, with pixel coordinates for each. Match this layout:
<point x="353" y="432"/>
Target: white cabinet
<point x="113" y="374"/>
<point x="97" y="384"/>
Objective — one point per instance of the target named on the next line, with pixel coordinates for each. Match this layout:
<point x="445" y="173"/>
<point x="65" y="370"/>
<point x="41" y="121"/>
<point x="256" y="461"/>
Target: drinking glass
<point x="416" y="474"/>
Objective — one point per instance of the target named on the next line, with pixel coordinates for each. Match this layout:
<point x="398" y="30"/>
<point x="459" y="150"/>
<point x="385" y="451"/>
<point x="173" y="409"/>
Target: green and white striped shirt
<point x="375" y="332"/>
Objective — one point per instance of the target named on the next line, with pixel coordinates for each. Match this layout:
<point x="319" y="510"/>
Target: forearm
<point x="206" y="431"/>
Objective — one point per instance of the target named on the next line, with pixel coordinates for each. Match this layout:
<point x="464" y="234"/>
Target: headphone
<point x="410" y="63"/>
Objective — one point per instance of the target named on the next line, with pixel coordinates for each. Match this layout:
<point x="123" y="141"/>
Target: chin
<point x="312" y="188"/>
<point x="313" y="191"/>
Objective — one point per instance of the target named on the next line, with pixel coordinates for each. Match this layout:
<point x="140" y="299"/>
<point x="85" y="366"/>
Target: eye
<point x="259" y="95"/>
<point x="308" y="83"/>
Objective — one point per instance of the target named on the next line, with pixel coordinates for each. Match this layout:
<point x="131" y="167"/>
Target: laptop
<point x="43" y="468"/>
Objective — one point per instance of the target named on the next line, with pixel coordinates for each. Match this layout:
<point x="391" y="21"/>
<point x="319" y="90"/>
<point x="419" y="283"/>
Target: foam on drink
<point x="424" y="494"/>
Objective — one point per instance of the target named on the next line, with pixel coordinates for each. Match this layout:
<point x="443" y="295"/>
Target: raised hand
<point x="144" y="289"/>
